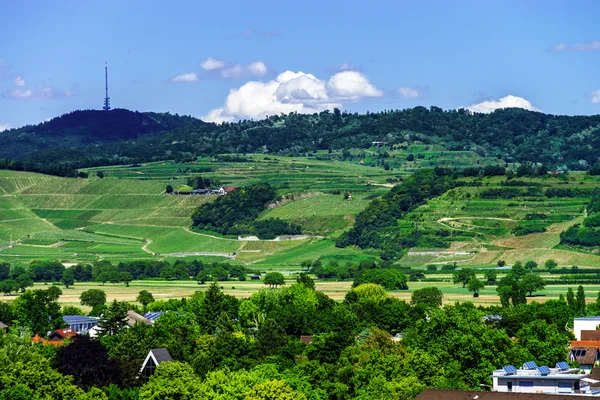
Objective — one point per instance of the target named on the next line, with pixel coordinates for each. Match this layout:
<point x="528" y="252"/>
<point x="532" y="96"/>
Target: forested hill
<point x="80" y="129"/>
<point x="513" y="134"/>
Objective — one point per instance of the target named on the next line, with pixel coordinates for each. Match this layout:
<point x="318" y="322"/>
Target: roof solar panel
<point x="530" y="365"/>
<point x="509" y="369"/>
<point x="562" y="365"/>
<point x="544" y="370"/>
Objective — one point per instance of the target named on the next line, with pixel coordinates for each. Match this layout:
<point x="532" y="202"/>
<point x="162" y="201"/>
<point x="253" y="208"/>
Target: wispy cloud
<point x="253" y="32"/>
<point x="595" y="97"/>
<point x="19" y="81"/>
<point x="257" y="68"/>
<point x="411" y="93"/>
<point x="39" y="94"/>
<point x="577" y="47"/>
<point x="344" y="67"/>
<point x="4" y="127"/>
<point x="190" y="77"/>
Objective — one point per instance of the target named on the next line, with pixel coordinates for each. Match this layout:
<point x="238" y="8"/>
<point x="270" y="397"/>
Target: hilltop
<point x="126" y="137"/>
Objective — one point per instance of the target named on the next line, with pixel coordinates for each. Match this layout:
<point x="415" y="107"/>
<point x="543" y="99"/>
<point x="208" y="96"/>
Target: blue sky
<point x="277" y="56"/>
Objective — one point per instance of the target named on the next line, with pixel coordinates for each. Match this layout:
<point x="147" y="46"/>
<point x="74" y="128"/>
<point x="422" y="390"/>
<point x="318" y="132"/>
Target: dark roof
<point x="306" y="339"/>
<point x="3" y="325"/>
<point x="588" y="358"/>
<point x="439" y="394"/>
<point x="161" y="355"/>
<point x="590" y="335"/>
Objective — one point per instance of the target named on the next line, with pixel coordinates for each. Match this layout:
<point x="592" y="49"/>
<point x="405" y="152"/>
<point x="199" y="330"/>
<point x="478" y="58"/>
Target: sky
<point x="226" y="61"/>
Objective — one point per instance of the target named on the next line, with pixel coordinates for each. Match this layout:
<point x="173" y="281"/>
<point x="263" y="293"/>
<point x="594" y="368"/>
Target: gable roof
<point x="589" y="357"/>
<point x="437" y="394"/>
<point x="158" y="356"/>
<point x="64" y="333"/>
<point x="3" y="325"/>
<point x="229" y="189"/>
<point x="133" y="318"/>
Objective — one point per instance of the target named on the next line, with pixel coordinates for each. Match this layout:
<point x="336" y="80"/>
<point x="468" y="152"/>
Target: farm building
<point x="154" y="358"/>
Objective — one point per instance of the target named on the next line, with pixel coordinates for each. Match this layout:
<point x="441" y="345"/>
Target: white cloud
<point x="409" y="93"/>
<point x="4" y="127"/>
<point x="191" y="77"/>
<point x="577" y="47"/>
<point x="509" y="101"/>
<point x="595" y="97"/>
<point x="257" y="68"/>
<point x="37" y="94"/>
<point x="292" y="92"/>
<point x="211" y="64"/>
<point x="19" y="81"/>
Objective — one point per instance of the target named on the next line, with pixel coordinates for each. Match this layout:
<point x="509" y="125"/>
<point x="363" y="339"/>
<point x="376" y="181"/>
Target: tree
<point x="427" y="298"/>
<point x="125" y="277"/>
<point x="274" y="279"/>
<point x="463" y="275"/>
<point x="24" y="281"/>
<point x="273" y="390"/>
<point x="39" y="311"/>
<point x="95" y="298"/>
<point x="550" y="264"/>
<point x="113" y="321"/>
<point x="7" y="286"/>
<point x="501" y="263"/>
<point x="4" y="270"/>
<point x="510" y="291"/>
<point x="571" y="300"/>
<point x="518" y="270"/>
<point x="543" y="341"/>
<point x="100" y="174"/>
<point x="580" y="301"/>
<point x="530" y="265"/>
<point x="475" y="285"/>
<point x="145" y="298"/>
<point x="86" y="360"/>
<point x="532" y="283"/>
<point x="490" y="276"/>
<point x="68" y="278"/>
<point x="172" y="381"/>
<point x="202" y="277"/>
<point x="169" y="189"/>
<point x="306" y="280"/>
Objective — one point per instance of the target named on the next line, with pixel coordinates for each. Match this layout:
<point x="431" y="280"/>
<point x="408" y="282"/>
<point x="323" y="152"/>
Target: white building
<point x="533" y="379"/>
<point x="584" y="324"/>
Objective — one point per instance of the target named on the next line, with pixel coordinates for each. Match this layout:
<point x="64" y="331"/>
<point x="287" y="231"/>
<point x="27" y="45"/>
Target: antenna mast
<point x="106" y="99"/>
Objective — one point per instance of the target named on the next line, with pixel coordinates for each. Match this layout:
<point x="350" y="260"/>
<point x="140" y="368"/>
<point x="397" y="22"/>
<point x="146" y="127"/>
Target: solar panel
<point x="509" y="369"/>
<point x="544" y="370"/>
<point x="562" y="365"/>
<point x="530" y="365"/>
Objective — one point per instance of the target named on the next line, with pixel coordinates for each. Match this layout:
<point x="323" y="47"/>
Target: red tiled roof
<point x="229" y="189"/>
<point x="65" y="332"/>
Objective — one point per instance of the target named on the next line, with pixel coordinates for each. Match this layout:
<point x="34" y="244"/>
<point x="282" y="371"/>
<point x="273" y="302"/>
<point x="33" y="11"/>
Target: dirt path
<point x="145" y="247"/>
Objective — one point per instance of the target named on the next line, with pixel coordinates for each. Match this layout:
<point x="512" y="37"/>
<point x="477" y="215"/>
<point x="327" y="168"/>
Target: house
<point x="154" y="358"/>
<point x="306" y="339"/>
<point x="152" y="316"/>
<point x="3" y="327"/>
<point x="585" y="324"/>
<point x="55" y="338"/>
<point x="133" y="318"/>
<point x="228" y="189"/>
<point x="81" y="323"/>
<point x="585" y="352"/>
<point x="533" y="379"/>
<point x="445" y="394"/>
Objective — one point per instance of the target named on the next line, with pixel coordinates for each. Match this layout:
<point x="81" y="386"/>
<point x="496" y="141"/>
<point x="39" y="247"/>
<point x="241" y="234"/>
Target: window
<point x="564" y="385"/>
<point x="526" y="384"/>
<point x="509" y="386"/>
<point x="578" y="353"/>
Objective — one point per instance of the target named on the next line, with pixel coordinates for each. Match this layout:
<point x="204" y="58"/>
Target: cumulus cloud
<point x="509" y="101"/>
<point x="292" y="92"/>
<point x="19" y="81"/>
<point x="257" y="68"/>
<point x="595" y="97"/>
<point x="4" y="127"/>
<point x="39" y="94"/>
<point x="410" y="93"/>
<point x="577" y="47"/>
<point x="191" y="77"/>
<point x="211" y="64"/>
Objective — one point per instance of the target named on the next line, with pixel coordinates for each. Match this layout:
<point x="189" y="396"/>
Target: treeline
<point x="588" y="233"/>
<point x="367" y="271"/>
<point x="376" y="226"/>
<point x="568" y="142"/>
<point x="236" y="214"/>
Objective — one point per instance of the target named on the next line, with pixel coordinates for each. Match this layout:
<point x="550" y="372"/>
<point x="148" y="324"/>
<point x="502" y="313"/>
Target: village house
<point x="81" y="323"/>
<point x="55" y="338"/>
<point x="154" y="358"/>
<point x="584" y="324"/>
